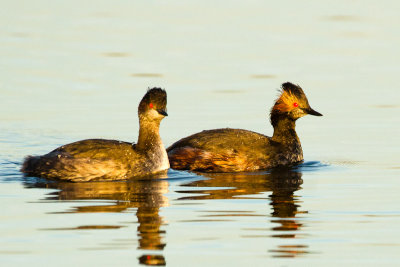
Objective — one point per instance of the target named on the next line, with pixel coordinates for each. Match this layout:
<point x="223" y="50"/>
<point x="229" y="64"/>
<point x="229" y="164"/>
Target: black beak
<point x="162" y="112"/>
<point x="312" y="112"/>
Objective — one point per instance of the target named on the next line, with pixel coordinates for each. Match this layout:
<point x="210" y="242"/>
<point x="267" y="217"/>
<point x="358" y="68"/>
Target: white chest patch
<point x="161" y="158"/>
<point x="164" y="160"/>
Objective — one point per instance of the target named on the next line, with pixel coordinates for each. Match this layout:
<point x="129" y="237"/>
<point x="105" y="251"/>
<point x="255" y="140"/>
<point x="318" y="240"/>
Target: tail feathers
<point x="31" y="165"/>
<point x="183" y="158"/>
<point x="195" y="159"/>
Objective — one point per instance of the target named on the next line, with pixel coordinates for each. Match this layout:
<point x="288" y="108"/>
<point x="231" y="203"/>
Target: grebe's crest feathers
<point x="290" y="97"/>
<point x="292" y="103"/>
<point x="155" y="98"/>
<point x="293" y="89"/>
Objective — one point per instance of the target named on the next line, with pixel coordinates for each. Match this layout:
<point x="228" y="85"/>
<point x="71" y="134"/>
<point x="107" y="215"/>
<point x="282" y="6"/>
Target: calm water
<point x="73" y="70"/>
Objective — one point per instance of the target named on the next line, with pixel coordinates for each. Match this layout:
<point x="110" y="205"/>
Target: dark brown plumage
<point x="236" y="150"/>
<point x="99" y="159"/>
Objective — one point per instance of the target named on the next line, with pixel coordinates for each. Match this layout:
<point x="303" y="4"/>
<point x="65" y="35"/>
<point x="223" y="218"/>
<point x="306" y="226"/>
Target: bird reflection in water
<point x="147" y="196"/>
<point x="283" y="183"/>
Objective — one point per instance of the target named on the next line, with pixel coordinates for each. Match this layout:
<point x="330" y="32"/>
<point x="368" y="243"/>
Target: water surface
<point x="73" y="70"/>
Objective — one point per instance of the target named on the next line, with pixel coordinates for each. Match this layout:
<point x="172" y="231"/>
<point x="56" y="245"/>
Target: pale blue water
<point x="72" y="70"/>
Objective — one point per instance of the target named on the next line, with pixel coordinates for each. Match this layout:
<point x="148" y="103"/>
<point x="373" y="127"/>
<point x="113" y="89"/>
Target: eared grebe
<point x="236" y="150"/>
<point x="107" y="160"/>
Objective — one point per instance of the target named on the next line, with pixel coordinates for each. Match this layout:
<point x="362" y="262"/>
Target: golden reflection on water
<point x="147" y="196"/>
<point x="285" y="204"/>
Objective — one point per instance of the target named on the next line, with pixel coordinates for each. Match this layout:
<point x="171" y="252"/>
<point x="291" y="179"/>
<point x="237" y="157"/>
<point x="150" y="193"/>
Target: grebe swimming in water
<point x="107" y="160"/>
<point x="237" y="150"/>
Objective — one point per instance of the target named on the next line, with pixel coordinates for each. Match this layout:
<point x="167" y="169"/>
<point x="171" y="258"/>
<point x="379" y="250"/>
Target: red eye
<point x="295" y="105"/>
<point x="151" y="105"/>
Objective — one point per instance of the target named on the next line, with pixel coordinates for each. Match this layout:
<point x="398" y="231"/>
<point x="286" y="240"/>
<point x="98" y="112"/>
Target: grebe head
<point x="292" y="103"/>
<point x="153" y="105"/>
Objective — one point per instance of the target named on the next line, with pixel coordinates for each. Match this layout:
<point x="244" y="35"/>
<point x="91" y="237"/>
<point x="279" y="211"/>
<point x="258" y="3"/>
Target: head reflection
<point x="147" y="196"/>
<point x="282" y="183"/>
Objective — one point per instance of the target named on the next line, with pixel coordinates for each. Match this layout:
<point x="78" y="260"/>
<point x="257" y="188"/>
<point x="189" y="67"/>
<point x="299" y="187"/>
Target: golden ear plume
<point x="285" y="102"/>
